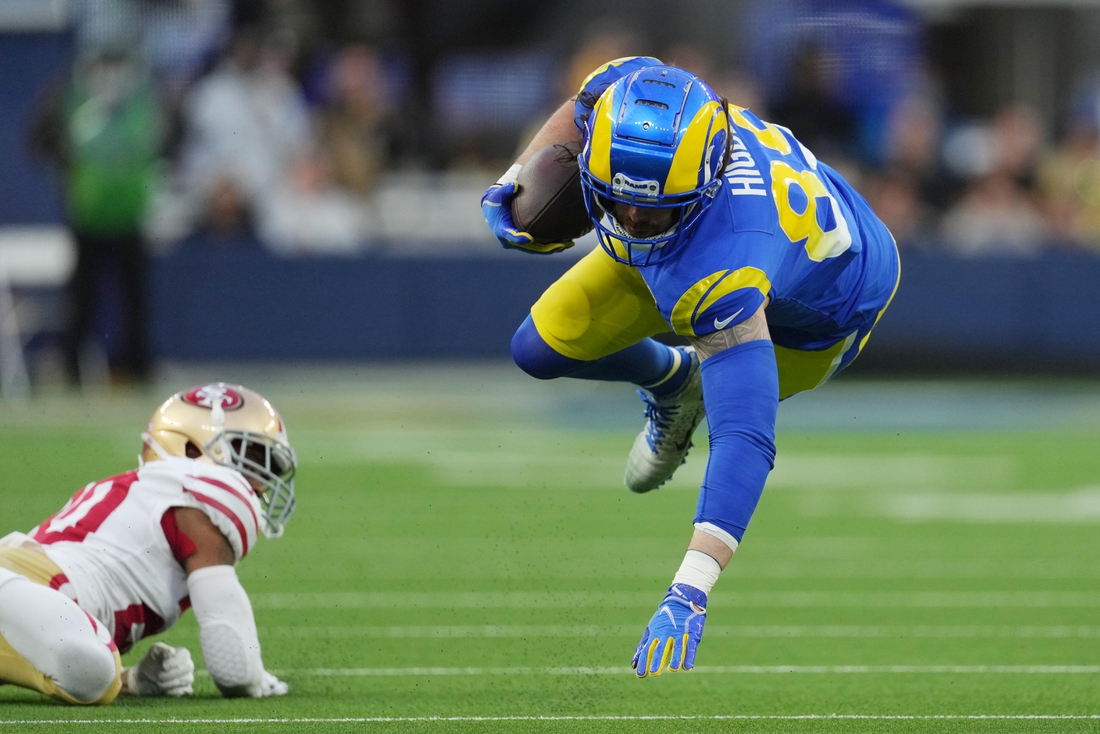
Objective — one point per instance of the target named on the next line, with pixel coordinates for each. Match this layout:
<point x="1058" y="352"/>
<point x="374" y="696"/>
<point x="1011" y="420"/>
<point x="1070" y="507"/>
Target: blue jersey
<point x="784" y="226"/>
<point x="786" y="230"/>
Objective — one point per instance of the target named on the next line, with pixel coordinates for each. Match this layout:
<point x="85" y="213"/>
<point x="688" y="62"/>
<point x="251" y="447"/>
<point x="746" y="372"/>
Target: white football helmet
<point x="235" y="427"/>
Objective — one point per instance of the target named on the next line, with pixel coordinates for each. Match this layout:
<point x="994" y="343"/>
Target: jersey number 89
<point x="817" y="218"/>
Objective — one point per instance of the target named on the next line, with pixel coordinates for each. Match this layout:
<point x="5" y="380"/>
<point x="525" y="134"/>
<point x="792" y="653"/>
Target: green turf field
<point x="464" y="558"/>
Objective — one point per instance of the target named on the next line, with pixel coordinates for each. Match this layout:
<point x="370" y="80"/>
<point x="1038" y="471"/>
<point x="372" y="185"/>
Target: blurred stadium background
<point x="313" y="168"/>
<point x="285" y="193"/>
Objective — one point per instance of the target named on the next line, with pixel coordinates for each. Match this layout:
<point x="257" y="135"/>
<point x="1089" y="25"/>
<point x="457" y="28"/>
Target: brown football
<point x="550" y="204"/>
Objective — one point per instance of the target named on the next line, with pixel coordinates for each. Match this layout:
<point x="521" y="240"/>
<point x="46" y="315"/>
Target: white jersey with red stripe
<point x="121" y="554"/>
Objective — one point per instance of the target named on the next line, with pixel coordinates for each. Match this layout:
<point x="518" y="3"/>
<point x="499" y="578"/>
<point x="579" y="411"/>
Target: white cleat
<point x="663" y="445"/>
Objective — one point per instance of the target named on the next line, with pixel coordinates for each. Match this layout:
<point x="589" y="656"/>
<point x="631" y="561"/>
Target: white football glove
<point x="269" y="686"/>
<point x="164" y="671"/>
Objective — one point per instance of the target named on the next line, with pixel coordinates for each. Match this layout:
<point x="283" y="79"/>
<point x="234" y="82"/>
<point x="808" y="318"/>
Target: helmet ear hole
<point x="192" y="451"/>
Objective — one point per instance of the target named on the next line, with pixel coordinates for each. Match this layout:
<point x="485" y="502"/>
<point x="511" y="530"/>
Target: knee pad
<point x="537" y="358"/>
<point x="56" y="648"/>
<point x="87" y="671"/>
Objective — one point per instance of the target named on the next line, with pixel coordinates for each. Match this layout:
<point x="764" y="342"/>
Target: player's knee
<point x="537" y="358"/>
<point x="88" y="672"/>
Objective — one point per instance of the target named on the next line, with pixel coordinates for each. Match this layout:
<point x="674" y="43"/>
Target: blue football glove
<point x="673" y="634"/>
<point x="496" y="206"/>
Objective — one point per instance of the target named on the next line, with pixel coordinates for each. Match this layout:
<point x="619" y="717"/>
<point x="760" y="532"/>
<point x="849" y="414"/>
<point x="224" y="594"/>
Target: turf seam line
<point x="705" y="669"/>
<point x="755" y="599"/>
<point x="737" y="631"/>
<point x="655" y="717"/>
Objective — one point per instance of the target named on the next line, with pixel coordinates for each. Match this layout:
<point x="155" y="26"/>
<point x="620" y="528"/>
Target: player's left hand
<point x="164" y="671"/>
<point x="673" y="634"/>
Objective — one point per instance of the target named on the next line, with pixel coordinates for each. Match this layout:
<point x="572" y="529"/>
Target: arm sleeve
<point x="227" y="630"/>
<point x="741" y="394"/>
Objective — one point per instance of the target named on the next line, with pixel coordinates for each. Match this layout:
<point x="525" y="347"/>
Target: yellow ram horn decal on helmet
<point x="683" y="174"/>
<point x="599" y="144"/>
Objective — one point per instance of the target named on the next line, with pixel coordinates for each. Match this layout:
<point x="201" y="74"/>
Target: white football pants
<point x="57" y="637"/>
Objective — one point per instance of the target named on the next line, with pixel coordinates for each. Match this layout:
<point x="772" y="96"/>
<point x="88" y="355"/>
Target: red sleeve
<point x="181" y="545"/>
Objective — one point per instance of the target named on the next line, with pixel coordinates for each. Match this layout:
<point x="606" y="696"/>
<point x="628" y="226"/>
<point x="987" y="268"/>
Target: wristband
<point x="698" y="570"/>
<point x="510" y="175"/>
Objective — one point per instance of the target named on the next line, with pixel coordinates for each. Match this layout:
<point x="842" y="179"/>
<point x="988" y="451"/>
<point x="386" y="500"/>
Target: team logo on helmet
<point x="208" y="396"/>
<point x="622" y="184"/>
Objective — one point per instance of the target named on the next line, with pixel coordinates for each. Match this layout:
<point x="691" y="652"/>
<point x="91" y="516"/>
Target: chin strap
<point x="152" y="443"/>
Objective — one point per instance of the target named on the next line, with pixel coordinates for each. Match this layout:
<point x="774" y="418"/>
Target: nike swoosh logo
<point x="668" y="611"/>
<point x="726" y="322"/>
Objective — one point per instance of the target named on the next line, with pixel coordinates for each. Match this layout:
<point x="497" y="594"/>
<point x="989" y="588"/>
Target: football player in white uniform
<point x="126" y="556"/>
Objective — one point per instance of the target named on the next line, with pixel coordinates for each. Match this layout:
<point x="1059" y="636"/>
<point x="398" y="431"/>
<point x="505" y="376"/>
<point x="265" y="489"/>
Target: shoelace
<point x="657" y="420"/>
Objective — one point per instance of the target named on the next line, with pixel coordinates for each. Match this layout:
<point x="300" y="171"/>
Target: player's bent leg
<point x="49" y="644"/>
<point x="534" y="356"/>
<point x="672" y="415"/>
<point x="595" y="323"/>
<point x="648" y="363"/>
<point x="671" y="419"/>
<point x="598" y="307"/>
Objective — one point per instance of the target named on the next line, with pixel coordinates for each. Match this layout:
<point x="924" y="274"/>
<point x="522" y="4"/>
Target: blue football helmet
<point x="658" y="138"/>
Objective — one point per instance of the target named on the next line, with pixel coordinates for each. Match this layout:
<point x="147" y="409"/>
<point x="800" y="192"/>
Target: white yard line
<point x="886" y="473"/>
<point x="612" y="599"/>
<point x="1080" y="505"/>
<point x="714" y="630"/>
<point x="623" y="670"/>
<point x="428" y="719"/>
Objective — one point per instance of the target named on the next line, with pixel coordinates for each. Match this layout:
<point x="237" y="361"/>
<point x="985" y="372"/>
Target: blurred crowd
<point x="211" y="123"/>
<point x="1002" y="185"/>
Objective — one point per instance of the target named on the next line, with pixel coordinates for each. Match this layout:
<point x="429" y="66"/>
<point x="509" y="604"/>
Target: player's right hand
<point x="269" y="686"/>
<point x="496" y="206"/>
<point x="164" y="671"/>
<point x="673" y="634"/>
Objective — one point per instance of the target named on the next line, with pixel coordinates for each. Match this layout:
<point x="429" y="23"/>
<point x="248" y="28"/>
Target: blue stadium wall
<point x="214" y="302"/>
<point x="949" y="314"/>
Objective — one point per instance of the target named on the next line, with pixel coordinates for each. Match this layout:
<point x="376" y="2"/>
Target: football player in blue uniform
<point x="725" y="228"/>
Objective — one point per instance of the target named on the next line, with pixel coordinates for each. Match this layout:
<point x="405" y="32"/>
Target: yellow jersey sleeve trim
<point x="709" y="290"/>
<point x="683" y="313"/>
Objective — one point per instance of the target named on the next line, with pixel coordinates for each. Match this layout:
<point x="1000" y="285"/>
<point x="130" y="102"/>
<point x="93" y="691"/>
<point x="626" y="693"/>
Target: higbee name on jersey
<point x="120" y="548"/>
